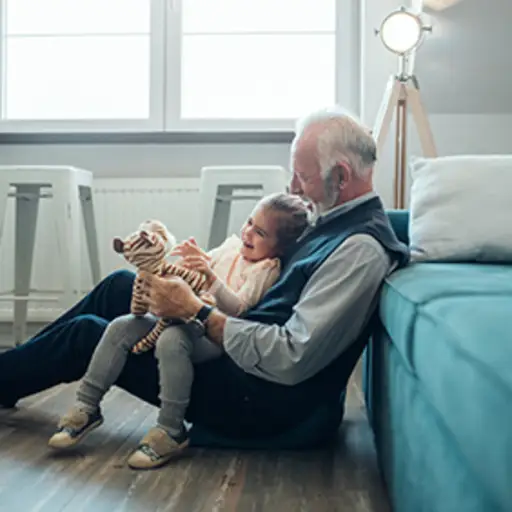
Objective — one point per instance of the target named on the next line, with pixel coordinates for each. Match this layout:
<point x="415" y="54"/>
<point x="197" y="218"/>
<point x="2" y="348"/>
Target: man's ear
<point x="340" y="174"/>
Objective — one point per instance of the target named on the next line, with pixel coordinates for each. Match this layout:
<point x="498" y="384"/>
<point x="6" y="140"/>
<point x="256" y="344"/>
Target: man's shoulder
<point x="363" y="247"/>
<point x="369" y="242"/>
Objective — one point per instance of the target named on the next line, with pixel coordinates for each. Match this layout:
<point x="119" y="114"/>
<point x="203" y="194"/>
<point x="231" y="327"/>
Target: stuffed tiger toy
<point x="147" y="249"/>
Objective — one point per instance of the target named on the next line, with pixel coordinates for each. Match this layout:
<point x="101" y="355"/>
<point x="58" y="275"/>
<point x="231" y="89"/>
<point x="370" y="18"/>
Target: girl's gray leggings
<point x="177" y="349"/>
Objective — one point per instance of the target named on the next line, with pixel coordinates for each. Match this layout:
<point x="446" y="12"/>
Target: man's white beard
<point x="317" y="209"/>
<point x="314" y="213"/>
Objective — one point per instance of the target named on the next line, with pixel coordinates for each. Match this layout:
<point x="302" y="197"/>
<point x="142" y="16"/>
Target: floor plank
<point x="94" y="477"/>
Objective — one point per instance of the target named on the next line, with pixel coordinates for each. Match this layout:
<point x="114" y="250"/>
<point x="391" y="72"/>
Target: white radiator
<point x="120" y="206"/>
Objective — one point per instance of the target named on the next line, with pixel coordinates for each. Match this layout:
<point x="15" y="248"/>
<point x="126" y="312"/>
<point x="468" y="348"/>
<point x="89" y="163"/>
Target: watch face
<point x="204" y="312"/>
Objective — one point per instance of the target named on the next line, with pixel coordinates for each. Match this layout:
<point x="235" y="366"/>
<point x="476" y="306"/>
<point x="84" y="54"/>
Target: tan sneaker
<point x="156" y="448"/>
<point x="73" y="427"/>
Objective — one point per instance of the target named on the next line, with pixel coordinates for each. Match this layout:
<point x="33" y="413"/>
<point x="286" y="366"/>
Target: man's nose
<point x="294" y="187"/>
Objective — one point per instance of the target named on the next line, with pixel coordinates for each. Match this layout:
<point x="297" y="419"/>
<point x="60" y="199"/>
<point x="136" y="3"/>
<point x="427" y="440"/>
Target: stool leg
<point x="4" y="197"/>
<point x="66" y="206"/>
<point x="220" y="218"/>
<point x="207" y="194"/>
<point x="90" y="232"/>
<point x="27" y="208"/>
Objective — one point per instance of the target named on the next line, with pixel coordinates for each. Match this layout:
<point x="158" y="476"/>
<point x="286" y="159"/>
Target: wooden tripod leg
<point x="420" y="117"/>
<point x="403" y="153"/>
<point x="396" y="176"/>
<point x="385" y="113"/>
<point x="400" y="153"/>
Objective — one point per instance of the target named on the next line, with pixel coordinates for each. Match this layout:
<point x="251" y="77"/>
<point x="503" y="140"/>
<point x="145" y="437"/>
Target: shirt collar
<point x="338" y="211"/>
<point x="345" y="207"/>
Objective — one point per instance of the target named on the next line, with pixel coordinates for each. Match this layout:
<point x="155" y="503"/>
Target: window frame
<point x="165" y="87"/>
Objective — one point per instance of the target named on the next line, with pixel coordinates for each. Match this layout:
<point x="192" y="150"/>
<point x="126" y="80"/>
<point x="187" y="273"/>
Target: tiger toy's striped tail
<point x="146" y="249"/>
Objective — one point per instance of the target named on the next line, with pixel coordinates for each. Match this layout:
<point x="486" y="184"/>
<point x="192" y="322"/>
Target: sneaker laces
<point x="76" y="419"/>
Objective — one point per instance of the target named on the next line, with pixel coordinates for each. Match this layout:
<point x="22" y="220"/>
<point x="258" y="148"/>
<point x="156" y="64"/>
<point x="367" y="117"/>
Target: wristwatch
<point x="201" y="317"/>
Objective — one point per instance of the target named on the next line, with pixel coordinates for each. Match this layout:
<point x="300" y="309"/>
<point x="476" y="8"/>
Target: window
<point x="81" y="64"/>
<point x="156" y="65"/>
<point x="239" y="62"/>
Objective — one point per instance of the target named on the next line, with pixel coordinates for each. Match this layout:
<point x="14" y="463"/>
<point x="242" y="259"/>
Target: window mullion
<point x="173" y="10"/>
<point x="2" y="59"/>
<point x="157" y="93"/>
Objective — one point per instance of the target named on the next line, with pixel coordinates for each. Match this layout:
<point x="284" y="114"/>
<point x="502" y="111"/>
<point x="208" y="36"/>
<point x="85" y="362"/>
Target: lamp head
<point x="402" y="31"/>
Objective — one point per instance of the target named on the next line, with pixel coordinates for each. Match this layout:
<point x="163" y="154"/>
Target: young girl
<point x="239" y="272"/>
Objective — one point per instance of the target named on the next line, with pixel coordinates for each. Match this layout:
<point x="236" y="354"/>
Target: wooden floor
<point x="95" y="477"/>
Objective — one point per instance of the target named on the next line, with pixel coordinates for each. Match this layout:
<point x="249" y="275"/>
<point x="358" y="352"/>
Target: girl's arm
<point x="263" y="275"/>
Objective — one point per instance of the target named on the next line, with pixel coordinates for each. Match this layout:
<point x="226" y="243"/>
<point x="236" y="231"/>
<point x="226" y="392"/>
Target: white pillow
<point x="461" y="208"/>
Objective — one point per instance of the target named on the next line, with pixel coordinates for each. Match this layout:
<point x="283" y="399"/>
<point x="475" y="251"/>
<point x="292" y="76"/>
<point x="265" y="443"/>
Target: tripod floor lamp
<point x="402" y="32"/>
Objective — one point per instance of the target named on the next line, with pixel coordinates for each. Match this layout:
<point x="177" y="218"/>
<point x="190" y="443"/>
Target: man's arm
<point x="333" y="309"/>
<point x="215" y="327"/>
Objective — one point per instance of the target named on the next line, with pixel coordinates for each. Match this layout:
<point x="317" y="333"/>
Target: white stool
<point x="71" y="191"/>
<point x="218" y="184"/>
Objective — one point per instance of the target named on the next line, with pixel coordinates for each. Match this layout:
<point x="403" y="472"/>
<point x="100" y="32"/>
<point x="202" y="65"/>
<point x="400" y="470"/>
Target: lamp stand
<point x="401" y="94"/>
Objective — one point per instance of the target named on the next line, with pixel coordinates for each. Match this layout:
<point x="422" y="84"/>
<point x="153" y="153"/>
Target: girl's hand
<point x="189" y="248"/>
<point x="202" y="265"/>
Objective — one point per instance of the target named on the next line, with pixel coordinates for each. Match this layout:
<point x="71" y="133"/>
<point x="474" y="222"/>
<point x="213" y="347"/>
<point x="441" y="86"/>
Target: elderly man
<point x="287" y="355"/>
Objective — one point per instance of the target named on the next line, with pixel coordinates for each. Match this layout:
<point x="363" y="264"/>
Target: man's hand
<point x="171" y="298"/>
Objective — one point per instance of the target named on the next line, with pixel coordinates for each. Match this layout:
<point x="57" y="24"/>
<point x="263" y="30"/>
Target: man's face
<point x="307" y="180"/>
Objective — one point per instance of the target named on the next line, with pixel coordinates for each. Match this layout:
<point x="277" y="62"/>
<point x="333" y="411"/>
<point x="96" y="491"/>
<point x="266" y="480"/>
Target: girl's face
<point x="259" y="235"/>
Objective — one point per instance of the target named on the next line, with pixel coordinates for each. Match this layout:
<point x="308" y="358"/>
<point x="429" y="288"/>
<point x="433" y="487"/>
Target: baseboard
<point x="34" y="315"/>
<point x="39" y="311"/>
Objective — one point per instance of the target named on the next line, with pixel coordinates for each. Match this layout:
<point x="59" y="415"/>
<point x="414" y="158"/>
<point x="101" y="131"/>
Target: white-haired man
<point x="287" y="356"/>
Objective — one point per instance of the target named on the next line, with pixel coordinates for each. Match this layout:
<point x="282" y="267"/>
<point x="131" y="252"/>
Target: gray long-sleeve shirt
<point x="333" y="308"/>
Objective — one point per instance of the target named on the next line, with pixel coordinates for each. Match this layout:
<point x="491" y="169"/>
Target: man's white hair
<point x="342" y="138"/>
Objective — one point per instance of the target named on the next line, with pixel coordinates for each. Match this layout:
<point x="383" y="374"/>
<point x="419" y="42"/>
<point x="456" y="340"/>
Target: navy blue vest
<point x="312" y="250"/>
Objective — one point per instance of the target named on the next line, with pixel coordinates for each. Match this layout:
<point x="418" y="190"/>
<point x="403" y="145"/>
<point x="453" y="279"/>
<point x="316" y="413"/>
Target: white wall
<point x="453" y="133"/>
<point x="145" y="160"/>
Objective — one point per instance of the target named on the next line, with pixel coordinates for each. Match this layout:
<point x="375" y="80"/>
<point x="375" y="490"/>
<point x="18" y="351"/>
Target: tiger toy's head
<point x="147" y="247"/>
